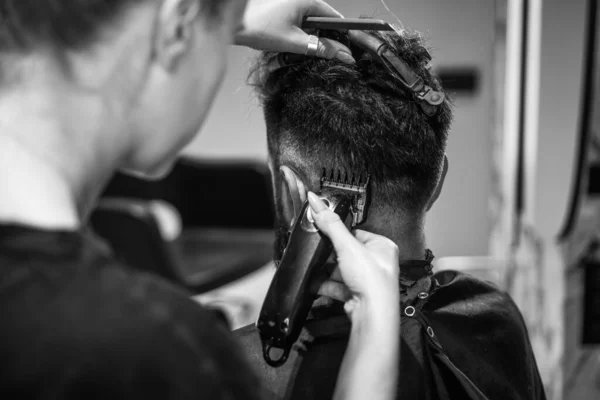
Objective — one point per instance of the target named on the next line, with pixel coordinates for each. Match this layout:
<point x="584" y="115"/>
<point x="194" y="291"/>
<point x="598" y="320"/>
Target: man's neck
<point x="410" y="247"/>
<point x="408" y="234"/>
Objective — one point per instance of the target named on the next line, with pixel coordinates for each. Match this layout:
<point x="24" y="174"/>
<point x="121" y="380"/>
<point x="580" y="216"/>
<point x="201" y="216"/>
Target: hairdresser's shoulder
<point x="153" y="316"/>
<point x="93" y="324"/>
<point x="98" y="300"/>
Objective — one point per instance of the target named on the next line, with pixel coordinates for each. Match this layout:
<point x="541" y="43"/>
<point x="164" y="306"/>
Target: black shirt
<point x="461" y="338"/>
<point x="76" y="324"/>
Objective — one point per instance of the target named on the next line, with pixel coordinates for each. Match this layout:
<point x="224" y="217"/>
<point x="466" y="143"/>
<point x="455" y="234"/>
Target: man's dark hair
<point x="324" y="113"/>
<point x="24" y="24"/>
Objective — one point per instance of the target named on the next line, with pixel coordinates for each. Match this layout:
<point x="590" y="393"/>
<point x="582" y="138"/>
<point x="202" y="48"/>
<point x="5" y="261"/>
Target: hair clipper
<point x="301" y="271"/>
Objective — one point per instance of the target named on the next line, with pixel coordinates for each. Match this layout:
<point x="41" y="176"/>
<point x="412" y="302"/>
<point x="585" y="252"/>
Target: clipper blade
<point x="353" y="184"/>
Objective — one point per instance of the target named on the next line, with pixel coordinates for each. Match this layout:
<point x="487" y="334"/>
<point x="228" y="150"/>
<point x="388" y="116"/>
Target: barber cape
<point x="461" y="338"/>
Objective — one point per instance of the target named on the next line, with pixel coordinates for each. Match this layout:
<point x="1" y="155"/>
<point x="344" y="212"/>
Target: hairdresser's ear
<point x="440" y="184"/>
<point x="174" y="31"/>
<point x="294" y="193"/>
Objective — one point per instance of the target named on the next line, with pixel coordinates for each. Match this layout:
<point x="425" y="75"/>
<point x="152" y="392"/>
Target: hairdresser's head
<point x="325" y="114"/>
<point x="150" y="68"/>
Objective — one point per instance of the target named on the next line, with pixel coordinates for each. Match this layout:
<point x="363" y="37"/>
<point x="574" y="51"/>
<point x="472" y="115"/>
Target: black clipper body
<point x="301" y="271"/>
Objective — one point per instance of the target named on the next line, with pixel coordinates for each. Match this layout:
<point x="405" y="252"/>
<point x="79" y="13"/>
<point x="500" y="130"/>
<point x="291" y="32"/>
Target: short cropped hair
<point x="71" y="24"/>
<point x="324" y="113"/>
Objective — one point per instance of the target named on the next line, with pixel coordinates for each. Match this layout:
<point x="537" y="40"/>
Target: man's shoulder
<point x="478" y="325"/>
<point x="461" y="301"/>
<point x="276" y="382"/>
<point x="460" y="292"/>
<point x="483" y="333"/>
<point x="249" y="340"/>
<point x="248" y="332"/>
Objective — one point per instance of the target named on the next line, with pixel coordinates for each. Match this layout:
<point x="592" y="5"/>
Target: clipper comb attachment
<point x="355" y="185"/>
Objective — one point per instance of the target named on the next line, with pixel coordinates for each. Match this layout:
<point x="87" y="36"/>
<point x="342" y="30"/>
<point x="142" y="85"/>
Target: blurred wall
<point x="542" y="274"/>
<point x="462" y="34"/>
<point x="569" y="369"/>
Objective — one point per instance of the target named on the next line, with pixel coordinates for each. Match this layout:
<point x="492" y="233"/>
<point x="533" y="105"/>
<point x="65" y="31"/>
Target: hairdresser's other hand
<point x="275" y="25"/>
<point x="368" y="263"/>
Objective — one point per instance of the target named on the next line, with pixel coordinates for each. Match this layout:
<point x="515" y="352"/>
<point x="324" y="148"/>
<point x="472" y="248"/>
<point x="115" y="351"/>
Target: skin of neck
<point x="407" y="232"/>
<point x="66" y="125"/>
<point x="59" y="145"/>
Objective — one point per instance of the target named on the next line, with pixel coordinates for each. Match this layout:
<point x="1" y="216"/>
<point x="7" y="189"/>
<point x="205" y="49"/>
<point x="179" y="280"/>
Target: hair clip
<point x="347" y="32"/>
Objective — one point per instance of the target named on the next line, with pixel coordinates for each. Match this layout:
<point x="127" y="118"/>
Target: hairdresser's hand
<point x="275" y="25"/>
<point x="368" y="264"/>
<point x="369" y="267"/>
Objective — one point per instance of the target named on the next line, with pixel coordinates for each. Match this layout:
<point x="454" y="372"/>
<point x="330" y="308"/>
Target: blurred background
<point x="520" y="205"/>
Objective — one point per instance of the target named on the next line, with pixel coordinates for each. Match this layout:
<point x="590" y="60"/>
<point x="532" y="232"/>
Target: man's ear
<point x="440" y="184"/>
<point x="174" y="31"/>
<point x="294" y="191"/>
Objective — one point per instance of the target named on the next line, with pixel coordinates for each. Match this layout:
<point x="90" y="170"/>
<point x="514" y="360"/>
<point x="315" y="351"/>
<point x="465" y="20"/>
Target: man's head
<point x="325" y="114"/>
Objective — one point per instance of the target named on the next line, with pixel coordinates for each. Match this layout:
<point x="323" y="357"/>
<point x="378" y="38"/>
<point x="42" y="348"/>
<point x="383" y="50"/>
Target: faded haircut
<point x="324" y="113"/>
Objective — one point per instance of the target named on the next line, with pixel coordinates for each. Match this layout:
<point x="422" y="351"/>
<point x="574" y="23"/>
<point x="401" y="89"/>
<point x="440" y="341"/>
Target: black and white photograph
<point x="300" y="199"/>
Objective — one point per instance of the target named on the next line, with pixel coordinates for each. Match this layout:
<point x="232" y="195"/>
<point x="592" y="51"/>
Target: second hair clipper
<point x="301" y="273"/>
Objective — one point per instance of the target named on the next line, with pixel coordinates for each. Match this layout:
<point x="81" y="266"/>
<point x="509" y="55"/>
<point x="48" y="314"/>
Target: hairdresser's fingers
<point x="331" y="225"/>
<point x="321" y="9"/>
<point x="382" y="248"/>
<point x="297" y="42"/>
<point x="364" y="236"/>
<point x="335" y="290"/>
<point x="328" y="48"/>
<point x="376" y="243"/>
<point x="331" y="49"/>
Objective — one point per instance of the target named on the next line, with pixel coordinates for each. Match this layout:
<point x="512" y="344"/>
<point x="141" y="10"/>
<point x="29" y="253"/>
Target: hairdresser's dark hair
<point x="25" y="24"/>
<point x="328" y="114"/>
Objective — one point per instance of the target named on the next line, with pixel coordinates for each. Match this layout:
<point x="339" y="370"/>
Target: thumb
<point x="330" y="49"/>
<point x="331" y="225"/>
<point x="326" y="48"/>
